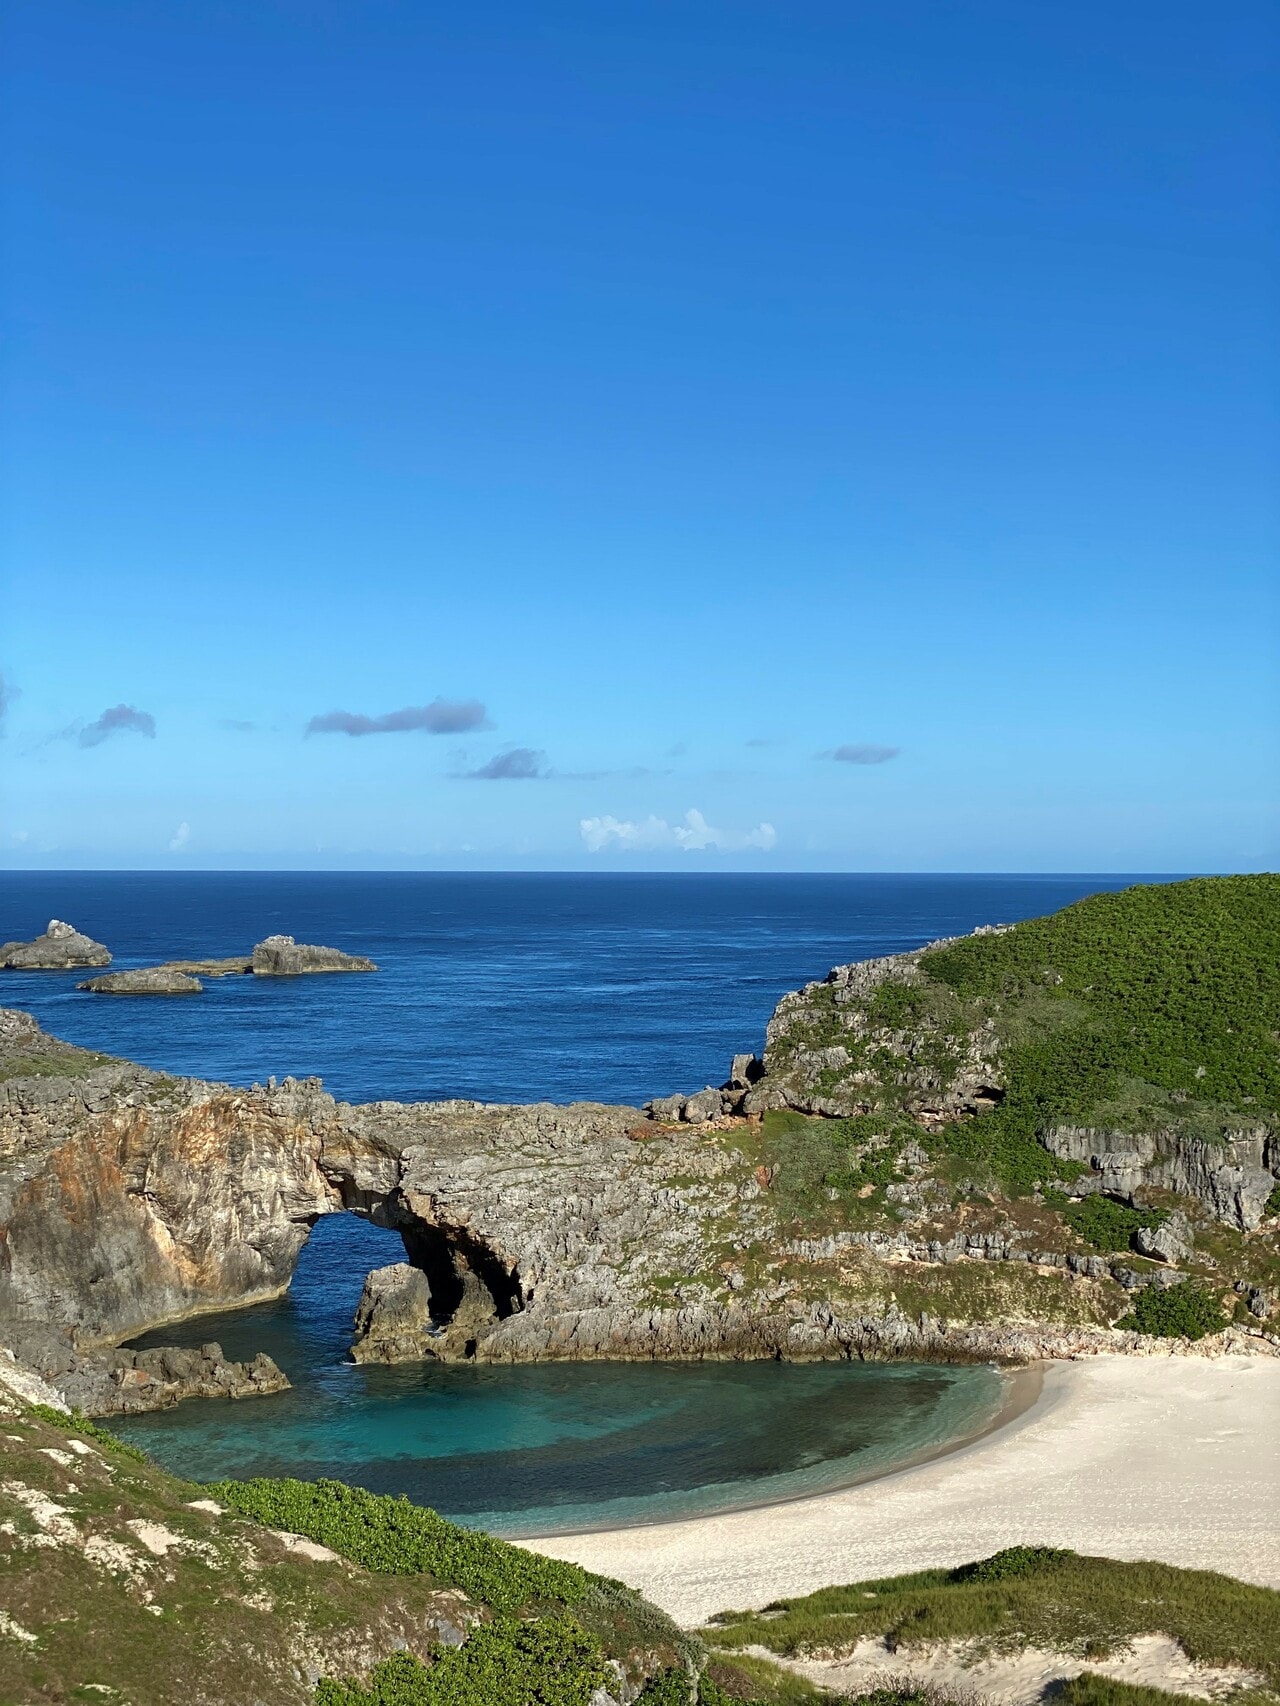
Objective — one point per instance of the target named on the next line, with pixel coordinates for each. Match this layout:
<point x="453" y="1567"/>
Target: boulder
<point x="666" y="1109"/>
<point x="146" y="980"/>
<point x="705" y="1105"/>
<point x="393" y="1318"/>
<point x="281" y="956"/>
<point x="1169" y="1242"/>
<point x="744" y="1071"/>
<point x="61" y="948"/>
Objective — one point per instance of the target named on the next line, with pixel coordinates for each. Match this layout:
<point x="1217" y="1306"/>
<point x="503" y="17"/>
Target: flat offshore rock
<point x="145" y="980"/>
<point x="61" y="948"/>
<point x="281" y="956"/>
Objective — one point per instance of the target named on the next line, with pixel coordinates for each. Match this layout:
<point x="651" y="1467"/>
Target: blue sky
<point x="619" y="412"/>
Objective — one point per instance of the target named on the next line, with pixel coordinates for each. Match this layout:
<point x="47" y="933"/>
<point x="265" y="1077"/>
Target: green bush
<point x="1109" y="1225"/>
<point x="1272" y="1205"/>
<point x="547" y="1662"/>
<point x="1011" y="1564"/>
<point x="1185" y="1311"/>
<point x="397" y="1538"/>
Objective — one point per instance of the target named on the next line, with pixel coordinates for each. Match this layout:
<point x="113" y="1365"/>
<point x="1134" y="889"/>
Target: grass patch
<point x="1090" y="1689"/>
<point x="393" y="1537"/>
<point x="1029" y="1596"/>
<point x="1105" y="1224"/>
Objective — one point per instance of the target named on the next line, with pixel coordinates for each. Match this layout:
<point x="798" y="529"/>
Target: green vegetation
<point x="1173" y="991"/>
<point x="393" y="1537"/>
<point x="1273" y="1202"/>
<point x="548" y="1661"/>
<point x="83" y="1428"/>
<point x="1186" y="1311"/>
<point x="1106" y="1224"/>
<point x="1029" y="1596"/>
<point x="1090" y="1689"/>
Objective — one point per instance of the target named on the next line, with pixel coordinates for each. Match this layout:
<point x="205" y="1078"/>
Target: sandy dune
<point x="1175" y="1458"/>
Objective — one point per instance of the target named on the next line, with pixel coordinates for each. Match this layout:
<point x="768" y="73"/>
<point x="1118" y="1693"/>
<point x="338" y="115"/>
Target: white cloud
<point x="181" y="836"/>
<point x="693" y="835"/>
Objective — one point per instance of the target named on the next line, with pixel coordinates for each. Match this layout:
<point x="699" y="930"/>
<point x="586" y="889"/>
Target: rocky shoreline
<point x="777" y="1215"/>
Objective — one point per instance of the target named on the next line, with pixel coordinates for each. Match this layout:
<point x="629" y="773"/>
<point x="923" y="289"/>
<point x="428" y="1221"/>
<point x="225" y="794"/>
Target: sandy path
<point x="1174" y="1458"/>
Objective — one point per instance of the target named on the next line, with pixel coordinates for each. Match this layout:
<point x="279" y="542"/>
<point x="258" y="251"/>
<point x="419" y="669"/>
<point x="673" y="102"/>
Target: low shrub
<point x="549" y="1661"/>
<point x="1013" y="1562"/>
<point x="1107" y="1224"/>
<point x="1185" y="1311"/>
<point x="397" y="1538"/>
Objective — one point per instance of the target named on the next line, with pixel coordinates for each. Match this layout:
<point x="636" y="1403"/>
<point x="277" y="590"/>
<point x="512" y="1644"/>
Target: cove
<point x="545" y="1447"/>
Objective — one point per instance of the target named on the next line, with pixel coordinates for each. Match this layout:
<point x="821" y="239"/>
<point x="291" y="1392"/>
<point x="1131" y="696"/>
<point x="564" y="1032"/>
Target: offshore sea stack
<point x="61" y="948"/>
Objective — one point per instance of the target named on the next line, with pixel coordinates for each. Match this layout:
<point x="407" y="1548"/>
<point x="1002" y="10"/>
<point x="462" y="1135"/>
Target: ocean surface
<point x="510" y="988"/>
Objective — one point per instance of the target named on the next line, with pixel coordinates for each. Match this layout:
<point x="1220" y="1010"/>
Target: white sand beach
<point x="1175" y="1458"/>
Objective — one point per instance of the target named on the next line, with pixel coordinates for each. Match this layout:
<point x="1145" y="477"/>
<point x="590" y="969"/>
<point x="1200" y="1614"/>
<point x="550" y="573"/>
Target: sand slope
<point x="1173" y="1458"/>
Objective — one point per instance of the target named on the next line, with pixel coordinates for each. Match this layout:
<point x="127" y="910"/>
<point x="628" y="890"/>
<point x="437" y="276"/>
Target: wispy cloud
<point x="180" y="837"/>
<point x="693" y="835"/>
<point x="518" y="764"/>
<point x="120" y="719"/>
<point x="8" y="693"/>
<point x="237" y="725"/>
<point x="763" y="740"/>
<point x="440" y="717"/>
<point x="862" y="754"/>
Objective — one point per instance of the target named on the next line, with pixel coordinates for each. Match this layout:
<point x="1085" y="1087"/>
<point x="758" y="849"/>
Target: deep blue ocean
<point x="510" y="988"/>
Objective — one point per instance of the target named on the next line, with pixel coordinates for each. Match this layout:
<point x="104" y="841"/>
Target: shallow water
<point x="552" y="1446"/>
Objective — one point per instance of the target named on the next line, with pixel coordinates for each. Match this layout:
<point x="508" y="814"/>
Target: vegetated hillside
<point x="1062" y="1089"/>
<point x="120" y="1582"/>
<point x="1031" y="1596"/>
<point x="1158" y="1006"/>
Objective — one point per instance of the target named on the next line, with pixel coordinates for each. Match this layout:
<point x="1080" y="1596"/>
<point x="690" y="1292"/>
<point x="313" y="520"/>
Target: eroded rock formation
<point x="145" y="980"/>
<point x="61" y="948"/>
<point x="281" y="956"/>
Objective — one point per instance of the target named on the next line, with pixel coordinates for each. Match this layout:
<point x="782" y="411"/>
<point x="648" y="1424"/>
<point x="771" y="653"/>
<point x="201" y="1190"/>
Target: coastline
<point x="1022" y="1390"/>
<point x="1176" y="1459"/>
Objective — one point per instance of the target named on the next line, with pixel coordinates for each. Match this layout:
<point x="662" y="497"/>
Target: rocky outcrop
<point x="105" y="1382"/>
<point x="128" y="1198"/>
<point x="531" y="1231"/>
<point x="61" y="948"/>
<point x="146" y="980"/>
<point x="393" y="1318"/>
<point x="1233" y="1177"/>
<point x="827" y="1052"/>
<point x="281" y="956"/>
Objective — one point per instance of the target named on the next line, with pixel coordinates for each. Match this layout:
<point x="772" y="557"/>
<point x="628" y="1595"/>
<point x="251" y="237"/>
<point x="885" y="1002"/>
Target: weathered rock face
<point x="146" y="980"/>
<point x="393" y="1318"/>
<point x="281" y="956"/>
<point x="1232" y="1178"/>
<point x="128" y="1198"/>
<point x="61" y="948"/>
<point x="106" y="1382"/>
<point x="824" y="1054"/>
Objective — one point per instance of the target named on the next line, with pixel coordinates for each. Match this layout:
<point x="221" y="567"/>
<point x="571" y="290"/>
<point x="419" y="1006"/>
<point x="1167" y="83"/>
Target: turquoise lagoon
<point x="558" y="1446"/>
